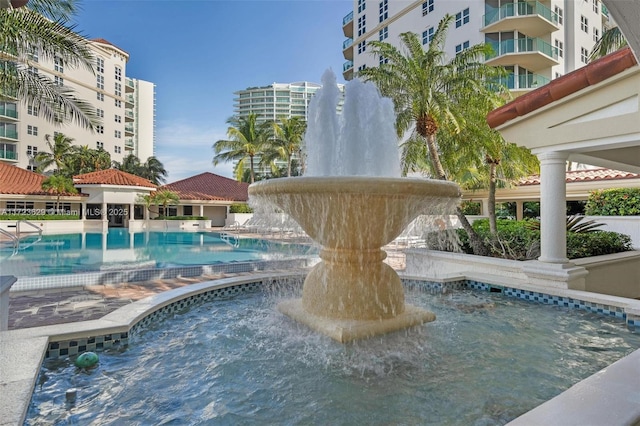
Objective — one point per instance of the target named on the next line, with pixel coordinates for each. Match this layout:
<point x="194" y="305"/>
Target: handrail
<point x="14" y="238"/>
<point x="38" y="229"/>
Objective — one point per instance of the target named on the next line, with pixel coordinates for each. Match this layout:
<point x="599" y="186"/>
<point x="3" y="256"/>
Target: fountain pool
<point x="486" y="360"/>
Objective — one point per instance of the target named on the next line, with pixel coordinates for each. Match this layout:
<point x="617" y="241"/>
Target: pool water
<point x="485" y="360"/>
<point x="119" y="249"/>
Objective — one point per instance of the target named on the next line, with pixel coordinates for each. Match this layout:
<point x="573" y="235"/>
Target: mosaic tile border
<point x="74" y="347"/>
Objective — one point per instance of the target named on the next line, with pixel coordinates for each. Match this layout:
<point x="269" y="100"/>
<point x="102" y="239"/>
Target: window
<point x="462" y="46"/>
<point x="584" y="24"/>
<point x="100" y="81"/>
<point x="118" y="103"/>
<point x="50" y="207"/>
<point x="427" y="35"/>
<point x="584" y="55"/>
<point x="32" y="70"/>
<point x="118" y="89"/>
<point x="32" y="110"/>
<point x="559" y="48"/>
<point x="100" y="65"/>
<point x="20" y="207"/>
<point x="33" y="55"/>
<point x="362" y="46"/>
<point x="362" y="5"/>
<point x="118" y="118"/>
<point x="100" y="96"/>
<point x="58" y="64"/>
<point x="361" y="67"/>
<point x="32" y="151"/>
<point x="117" y="149"/>
<point x="187" y="210"/>
<point x="558" y="75"/>
<point x="383" y="60"/>
<point x="58" y="80"/>
<point x="362" y="25"/>
<point x="462" y="18"/>
<point x="383" y="10"/>
<point x="32" y="130"/>
<point x="596" y="34"/>
<point x="118" y="134"/>
<point x="99" y="145"/>
<point x="560" y="14"/>
<point x="427" y="7"/>
<point x="118" y="74"/>
<point x="100" y="129"/>
<point x="31" y="168"/>
<point x="596" y="6"/>
<point x="383" y="33"/>
<point x="100" y="112"/>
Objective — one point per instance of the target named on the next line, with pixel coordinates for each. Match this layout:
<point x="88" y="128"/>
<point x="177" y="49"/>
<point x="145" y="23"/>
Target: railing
<point x="348" y="18"/>
<point x="128" y="113"/>
<point x="525" y="81"/>
<point x="129" y="82"/>
<point x="520" y="9"/>
<point x="347" y="43"/>
<point x="128" y="128"/>
<point x="26" y="222"/>
<point x="128" y="143"/>
<point x="130" y="99"/>
<point x="523" y="45"/>
<point x="605" y="11"/>
<point x="347" y="66"/>
<point x="8" y="133"/>
<point x="8" y="155"/>
<point x="4" y="111"/>
<point x="14" y="239"/>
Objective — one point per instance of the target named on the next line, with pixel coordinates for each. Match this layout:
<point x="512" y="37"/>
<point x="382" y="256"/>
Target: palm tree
<point x="42" y="26"/>
<point x="60" y="147"/>
<point x="161" y="197"/>
<point x="130" y="164"/>
<point x="246" y="139"/>
<point x="59" y="185"/>
<point x="432" y="96"/>
<point x="287" y="142"/>
<point x="154" y="170"/>
<point x="612" y="39"/>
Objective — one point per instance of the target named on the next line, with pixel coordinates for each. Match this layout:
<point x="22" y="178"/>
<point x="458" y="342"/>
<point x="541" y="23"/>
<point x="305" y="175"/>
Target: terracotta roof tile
<point x="17" y="181"/>
<point x="209" y="186"/>
<point x="585" y="176"/>
<point x="107" y="42"/>
<point x="112" y="177"/>
<point x="579" y="79"/>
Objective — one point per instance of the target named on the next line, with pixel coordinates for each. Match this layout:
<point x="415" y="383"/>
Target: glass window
<point x="100" y="96"/>
<point x="427" y="7"/>
<point x="99" y="65"/>
<point x="427" y="35"/>
<point x="362" y="25"/>
<point x="58" y="64"/>
<point x="383" y="10"/>
<point x="584" y="24"/>
<point x="362" y="5"/>
<point x="462" y="18"/>
<point x="584" y="55"/>
<point x="362" y="46"/>
<point x="117" y="134"/>
<point x="32" y="130"/>
<point x="383" y="33"/>
<point x="559" y="13"/>
<point x="559" y="48"/>
<point x="118" y="74"/>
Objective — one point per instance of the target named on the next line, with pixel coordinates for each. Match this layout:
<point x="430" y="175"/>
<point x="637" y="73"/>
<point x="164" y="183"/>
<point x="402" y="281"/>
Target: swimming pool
<point x="120" y="249"/>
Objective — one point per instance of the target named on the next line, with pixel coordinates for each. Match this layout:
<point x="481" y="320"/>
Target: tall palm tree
<point x="161" y="197"/>
<point x="60" y="147"/>
<point x="287" y="141"/>
<point x="247" y="138"/>
<point x="130" y="164"/>
<point x="154" y="170"/>
<point x="59" y="185"/>
<point x="432" y="95"/>
<point x="42" y="26"/>
<point x="611" y="40"/>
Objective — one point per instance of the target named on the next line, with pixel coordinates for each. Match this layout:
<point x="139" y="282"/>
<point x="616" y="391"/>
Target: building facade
<point x="536" y="41"/>
<point x="126" y="107"/>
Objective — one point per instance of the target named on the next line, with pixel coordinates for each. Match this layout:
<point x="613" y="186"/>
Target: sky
<point x="198" y="52"/>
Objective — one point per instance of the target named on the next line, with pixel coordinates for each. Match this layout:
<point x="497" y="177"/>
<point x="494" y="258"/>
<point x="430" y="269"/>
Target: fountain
<point x="353" y="201"/>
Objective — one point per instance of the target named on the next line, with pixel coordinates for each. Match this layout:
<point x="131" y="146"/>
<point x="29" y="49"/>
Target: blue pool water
<point x="119" y="249"/>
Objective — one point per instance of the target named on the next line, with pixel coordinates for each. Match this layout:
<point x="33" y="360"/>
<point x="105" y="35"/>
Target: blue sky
<point x="198" y="52"/>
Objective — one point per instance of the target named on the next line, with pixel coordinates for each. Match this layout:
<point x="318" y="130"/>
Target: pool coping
<point x="611" y="396"/>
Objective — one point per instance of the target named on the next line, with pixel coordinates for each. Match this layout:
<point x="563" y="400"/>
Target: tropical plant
<point x="152" y="169"/>
<point x="43" y="27"/>
<point x="161" y="197"/>
<point x="432" y="96"/>
<point x="286" y="143"/>
<point x="575" y="225"/>
<point x="59" y="185"/>
<point x="614" y="202"/>
<point x="612" y="39"/>
<point x="246" y="138"/>
<point x="59" y="150"/>
<point x="83" y="159"/>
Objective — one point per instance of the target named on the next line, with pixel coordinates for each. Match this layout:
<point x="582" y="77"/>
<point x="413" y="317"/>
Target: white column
<point x="553" y="207"/>
<point x="484" y="207"/>
<point x="105" y="221"/>
<point x="519" y="210"/>
<point x="201" y="210"/>
<point x="131" y="215"/>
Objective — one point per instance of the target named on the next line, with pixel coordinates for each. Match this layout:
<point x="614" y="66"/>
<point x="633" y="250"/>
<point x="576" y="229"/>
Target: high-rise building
<point x="536" y="41"/>
<point x="126" y="107"/>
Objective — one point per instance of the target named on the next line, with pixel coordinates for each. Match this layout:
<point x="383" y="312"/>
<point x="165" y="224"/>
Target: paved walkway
<point x="71" y="304"/>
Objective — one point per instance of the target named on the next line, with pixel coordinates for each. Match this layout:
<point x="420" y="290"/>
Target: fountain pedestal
<point x="352" y="294"/>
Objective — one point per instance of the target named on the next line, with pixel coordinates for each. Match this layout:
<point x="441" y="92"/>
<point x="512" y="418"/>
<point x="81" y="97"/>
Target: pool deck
<point x="72" y="304"/>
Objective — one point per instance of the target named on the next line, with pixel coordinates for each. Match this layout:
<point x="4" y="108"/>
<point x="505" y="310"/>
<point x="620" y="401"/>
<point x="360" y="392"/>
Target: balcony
<point x="531" y="53"/>
<point x="128" y="129"/>
<point x="128" y="115"/>
<point x="532" y="18"/>
<point x="347" y="49"/>
<point x="9" y="113"/>
<point x="520" y="84"/>
<point x="129" y="86"/>
<point x="128" y="144"/>
<point x="129" y="101"/>
<point x="347" y="70"/>
<point x="347" y="25"/>
<point x="8" y="155"/>
<point x="8" y="133"/>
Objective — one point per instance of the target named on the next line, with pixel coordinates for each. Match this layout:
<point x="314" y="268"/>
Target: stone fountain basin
<point x="355" y="212"/>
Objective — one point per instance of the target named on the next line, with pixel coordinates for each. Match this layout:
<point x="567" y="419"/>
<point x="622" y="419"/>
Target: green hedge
<point x="614" y="202"/>
<point x="180" y="218"/>
<point x="519" y="240"/>
<point x="39" y="217"/>
<point x="240" y="208"/>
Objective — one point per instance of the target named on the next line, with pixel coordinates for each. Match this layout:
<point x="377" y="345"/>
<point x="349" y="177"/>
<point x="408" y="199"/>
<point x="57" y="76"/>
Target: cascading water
<point x="353" y="202"/>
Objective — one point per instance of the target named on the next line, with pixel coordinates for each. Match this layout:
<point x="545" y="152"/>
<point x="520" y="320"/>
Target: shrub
<point x="180" y="218"/>
<point x="614" y="202"/>
<point x="596" y="243"/>
<point x="35" y="217"/>
<point x="471" y="207"/>
<point x="240" y="208"/>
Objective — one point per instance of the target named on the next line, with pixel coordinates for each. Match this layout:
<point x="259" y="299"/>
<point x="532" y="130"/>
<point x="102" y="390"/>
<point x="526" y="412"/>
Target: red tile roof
<point x="107" y="42"/>
<point x="585" y="176"/>
<point x="112" y="177"/>
<point x="17" y="181"/>
<point x="568" y="84"/>
<point x="209" y="186"/>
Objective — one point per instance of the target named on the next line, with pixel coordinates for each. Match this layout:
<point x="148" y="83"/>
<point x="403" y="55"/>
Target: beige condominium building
<point x="125" y="105"/>
<point x="536" y="41"/>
